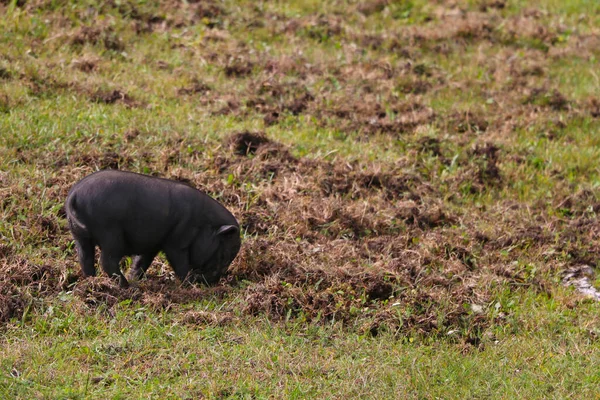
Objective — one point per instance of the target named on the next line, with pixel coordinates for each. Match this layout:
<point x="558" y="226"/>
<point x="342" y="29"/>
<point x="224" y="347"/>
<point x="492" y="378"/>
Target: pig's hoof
<point x="135" y="276"/>
<point x="121" y="280"/>
<point x="190" y="279"/>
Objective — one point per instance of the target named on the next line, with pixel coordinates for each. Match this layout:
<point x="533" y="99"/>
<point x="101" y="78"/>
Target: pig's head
<point x="212" y="251"/>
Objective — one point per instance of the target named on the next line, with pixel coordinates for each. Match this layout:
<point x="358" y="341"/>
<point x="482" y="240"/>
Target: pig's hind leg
<point x="85" y="252"/>
<point x="140" y="265"/>
<point x="111" y="254"/>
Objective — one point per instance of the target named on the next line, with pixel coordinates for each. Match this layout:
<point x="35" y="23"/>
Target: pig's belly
<point x="144" y="240"/>
<point x="139" y="241"/>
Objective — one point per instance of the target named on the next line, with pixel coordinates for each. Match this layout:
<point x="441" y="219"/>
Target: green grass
<point x="137" y="353"/>
<point x="477" y="309"/>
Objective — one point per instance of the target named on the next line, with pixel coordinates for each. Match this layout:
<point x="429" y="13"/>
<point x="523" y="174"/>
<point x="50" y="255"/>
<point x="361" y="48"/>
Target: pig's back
<point x="137" y="207"/>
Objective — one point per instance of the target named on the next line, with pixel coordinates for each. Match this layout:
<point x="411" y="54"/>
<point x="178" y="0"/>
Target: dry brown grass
<point x="412" y="242"/>
<point x="326" y="240"/>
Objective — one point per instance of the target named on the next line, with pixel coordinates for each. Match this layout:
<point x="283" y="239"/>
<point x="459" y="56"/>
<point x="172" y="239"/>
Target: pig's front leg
<point x="180" y="261"/>
<point x="140" y="265"/>
<point x="110" y="265"/>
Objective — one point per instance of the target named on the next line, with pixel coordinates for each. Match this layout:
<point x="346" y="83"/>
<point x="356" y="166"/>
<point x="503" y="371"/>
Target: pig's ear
<point x="228" y="230"/>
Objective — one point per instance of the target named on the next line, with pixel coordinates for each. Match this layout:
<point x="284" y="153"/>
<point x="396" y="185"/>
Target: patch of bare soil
<point x="371" y="7"/>
<point x="170" y="14"/>
<point x="103" y="291"/>
<point x="238" y="67"/>
<point x="467" y="122"/>
<point x="366" y="115"/>
<point x="5" y="73"/>
<point x="275" y="98"/>
<point x="155" y="292"/>
<point x="86" y="64"/>
<point x="195" y="318"/>
<point x="594" y="107"/>
<point x="208" y="12"/>
<point x="97" y="161"/>
<point x="480" y="169"/>
<point x="487" y="157"/>
<point x="98" y="34"/>
<point x="317" y="27"/>
<point x="22" y="281"/>
<point x="455" y="28"/>
<point x="246" y="143"/>
<point x="12" y="302"/>
<point x="553" y="99"/>
<point x="114" y="96"/>
<point x="197" y="86"/>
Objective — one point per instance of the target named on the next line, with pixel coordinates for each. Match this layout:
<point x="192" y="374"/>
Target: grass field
<point x="413" y="179"/>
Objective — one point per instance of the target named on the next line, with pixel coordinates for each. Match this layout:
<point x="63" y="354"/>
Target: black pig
<point x="125" y="213"/>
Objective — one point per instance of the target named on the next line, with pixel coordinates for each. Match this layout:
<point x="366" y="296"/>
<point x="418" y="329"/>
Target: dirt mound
<point x="43" y="279"/>
<point x="94" y="160"/>
<point x="238" y="67"/>
<point x="261" y="158"/>
<point x="367" y="115"/>
<point x="245" y="143"/>
<point x="197" y="86"/>
<point x="155" y="292"/>
<point x="486" y="158"/>
<point x="552" y="99"/>
<point x="99" y="34"/>
<point x="114" y="96"/>
<point x="21" y="281"/>
<point x="12" y="302"/>
<point x="468" y="122"/>
<point x="103" y="291"/>
<point x="279" y="96"/>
